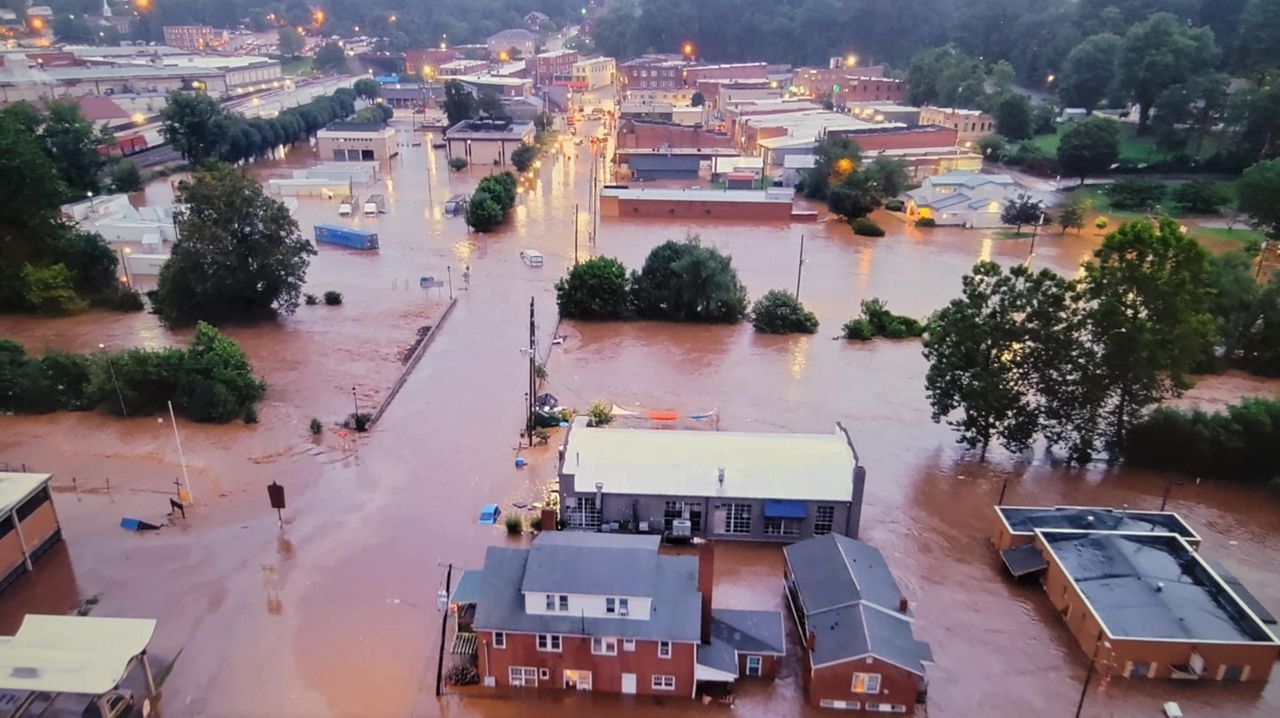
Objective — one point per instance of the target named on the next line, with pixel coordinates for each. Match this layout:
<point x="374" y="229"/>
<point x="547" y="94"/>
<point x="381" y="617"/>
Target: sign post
<point x="275" y="492"/>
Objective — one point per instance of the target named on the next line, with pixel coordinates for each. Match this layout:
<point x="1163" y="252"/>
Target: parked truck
<point x="374" y="205"/>
<point x="346" y="236"/>
<point x="348" y="205"/>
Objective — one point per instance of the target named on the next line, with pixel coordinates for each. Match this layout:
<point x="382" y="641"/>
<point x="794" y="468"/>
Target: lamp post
<point x="116" y="382"/>
<point x="1098" y="645"/>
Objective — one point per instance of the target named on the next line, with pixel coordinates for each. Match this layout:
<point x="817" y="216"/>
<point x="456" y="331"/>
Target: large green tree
<point x="72" y="143"/>
<point x="1013" y="116"/>
<point x="1160" y="52"/>
<point x="192" y="125"/>
<point x="1259" y="191"/>
<point x="1090" y="71"/>
<point x="239" y="254"/>
<point x="289" y="41"/>
<point x="596" y="289"/>
<point x="459" y="102"/>
<point x="1259" y="46"/>
<point x="687" y="282"/>
<point x="1089" y="146"/>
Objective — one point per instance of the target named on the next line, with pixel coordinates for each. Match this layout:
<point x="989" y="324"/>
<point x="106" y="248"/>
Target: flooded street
<point x="335" y="614"/>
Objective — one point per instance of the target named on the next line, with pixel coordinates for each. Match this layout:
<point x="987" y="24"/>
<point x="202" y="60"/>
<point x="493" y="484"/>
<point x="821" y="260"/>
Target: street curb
<point x="413" y="362"/>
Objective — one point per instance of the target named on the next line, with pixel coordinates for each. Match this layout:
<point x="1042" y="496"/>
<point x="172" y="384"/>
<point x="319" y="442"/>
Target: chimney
<point x="811" y="641"/>
<point x="706" y="584"/>
<point x="902" y="605"/>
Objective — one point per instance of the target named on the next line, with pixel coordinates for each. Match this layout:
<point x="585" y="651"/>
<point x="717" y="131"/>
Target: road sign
<point x="430" y="283"/>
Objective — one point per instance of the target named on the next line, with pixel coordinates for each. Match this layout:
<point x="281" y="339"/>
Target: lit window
<point x="866" y="683"/>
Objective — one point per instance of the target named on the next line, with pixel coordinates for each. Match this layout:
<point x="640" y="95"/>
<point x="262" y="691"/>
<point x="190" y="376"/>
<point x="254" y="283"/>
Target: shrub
<point x="125" y="300"/>
<point x="1101" y="223"/>
<point x="779" y="312"/>
<point x="50" y="290"/>
<point x="865" y="227"/>
<point x="457" y="164"/>
<point x="310" y="299"/>
<point x="461" y="674"/>
<point x="522" y="157"/>
<point x="1238" y="443"/>
<point x="877" y="321"/>
<point x="514" y="524"/>
<point x="126" y="177"/>
<point x="1201" y="196"/>
<point x="596" y="289"/>
<point x="217" y="382"/>
<point x="600" y="413"/>
<point x="926" y="222"/>
<point x="315" y="426"/>
<point x="687" y="282"/>
<point x="70" y="377"/>
<point x="333" y="298"/>
<point x="484" y="212"/>
<point x="894" y="205"/>
<point x="858" y="328"/>
<point x="360" y="422"/>
<point x="1136" y="193"/>
<point x="250" y="415"/>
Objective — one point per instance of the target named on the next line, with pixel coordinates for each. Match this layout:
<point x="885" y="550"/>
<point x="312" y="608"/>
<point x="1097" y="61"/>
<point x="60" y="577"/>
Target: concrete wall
<point x="483" y="153"/>
<point x="383" y="146"/>
<point x="575" y="654"/>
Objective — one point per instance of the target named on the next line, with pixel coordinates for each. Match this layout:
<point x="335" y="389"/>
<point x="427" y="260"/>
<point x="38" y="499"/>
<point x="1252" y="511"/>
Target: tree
<point x="490" y="104"/>
<point x="836" y="159"/>
<point x="779" y="312"/>
<point x="614" y="32"/>
<point x="1159" y="52"/>
<point x="1013" y="116"/>
<point x="1200" y="196"/>
<point x="945" y="76"/>
<point x="889" y="175"/>
<point x="1090" y="71"/>
<point x="1258" y="188"/>
<point x="484" y="212"/>
<point x="523" y="156"/>
<point x="1192" y="109"/>
<point x="459" y="103"/>
<point x="73" y="29"/>
<point x="50" y="290"/>
<point x="687" y="282"/>
<point x="1259" y="46"/>
<point x="126" y="177"/>
<point x="697" y="100"/>
<point x="217" y="380"/>
<point x="1071" y="214"/>
<point x="1146" y="313"/>
<point x="501" y="187"/>
<point x="1002" y="76"/>
<point x="367" y="88"/>
<point x="856" y="196"/>
<point x="290" y="42"/>
<point x="239" y="253"/>
<point x="1235" y="301"/>
<point x="596" y="289"/>
<point x="330" y="58"/>
<point x="1089" y="146"/>
<point x="991" y="145"/>
<point x="1137" y="193"/>
<point x="1021" y="210"/>
<point x="191" y="125"/>
<point x="1254" y="118"/>
<point x="72" y="143"/>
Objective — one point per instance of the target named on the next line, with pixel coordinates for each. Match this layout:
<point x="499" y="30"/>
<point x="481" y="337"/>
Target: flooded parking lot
<point x="335" y="614"/>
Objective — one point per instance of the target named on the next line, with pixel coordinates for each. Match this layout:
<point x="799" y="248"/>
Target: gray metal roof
<point x="1026" y="519"/>
<point x="835" y="570"/>
<point x="676" y="612"/>
<point x="598" y="564"/>
<point x="860" y="630"/>
<point x="1152" y="586"/>
<point x="748" y="631"/>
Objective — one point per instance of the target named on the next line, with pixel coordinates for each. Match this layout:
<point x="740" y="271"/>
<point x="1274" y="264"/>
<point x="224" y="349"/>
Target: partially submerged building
<point x="346" y="141"/>
<point x="711" y="484"/>
<point x="854" y="622"/>
<point x="485" y="142"/>
<point x="599" y="612"/>
<point x="28" y="523"/>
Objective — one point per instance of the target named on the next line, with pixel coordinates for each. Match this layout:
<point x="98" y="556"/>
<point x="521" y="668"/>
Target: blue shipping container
<point x="346" y="236"/>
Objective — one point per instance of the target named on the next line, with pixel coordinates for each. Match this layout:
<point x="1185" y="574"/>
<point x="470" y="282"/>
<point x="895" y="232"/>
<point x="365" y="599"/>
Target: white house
<point x="965" y="199"/>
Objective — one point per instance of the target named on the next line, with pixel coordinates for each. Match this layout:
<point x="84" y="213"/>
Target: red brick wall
<point x="867" y="89"/>
<point x="648" y="136"/>
<point x="910" y="138"/>
<point x="751" y="71"/>
<point x="835" y="682"/>
<point x="415" y="60"/>
<point x="575" y="654"/>
<point x="768" y="665"/>
<point x="694" y="209"/>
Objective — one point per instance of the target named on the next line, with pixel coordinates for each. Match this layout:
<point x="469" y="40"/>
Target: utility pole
<point x="356" y="403"/>
<point x="533" y="363"/>
<point x="182" y="458"/>
<point x="1093" y="660"/>
<point x="1262" y="258"/>
<point x="800" y="268"/>
<point x="444" y="625"/>
<point x="1035" y="232"/>
<point x="575" y="234"/>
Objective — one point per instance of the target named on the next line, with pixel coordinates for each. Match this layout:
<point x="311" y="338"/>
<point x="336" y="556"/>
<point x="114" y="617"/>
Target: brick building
<point x="647" y="135"/>
<point x="652" y="72"/>
<point x="196" y="38"/>
<point x="968" y="124"/>
<point x="606" y="612"/>
<point x="426" y="62"/>
<point x="861" y="652"/>
<point x="550" y="68"/>
<point x="736" y="71"/>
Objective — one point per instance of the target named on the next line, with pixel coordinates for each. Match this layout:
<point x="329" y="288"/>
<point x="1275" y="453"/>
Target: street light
<point x="688" y="49"/>
<point x="850" y="60"/>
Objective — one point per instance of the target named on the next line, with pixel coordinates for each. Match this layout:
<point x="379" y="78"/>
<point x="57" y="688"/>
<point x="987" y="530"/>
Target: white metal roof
<point x="16" y="487"/>
<point x="814" y="467"/>
<point x="660" y="194"/>
<point x="71" y="654"/>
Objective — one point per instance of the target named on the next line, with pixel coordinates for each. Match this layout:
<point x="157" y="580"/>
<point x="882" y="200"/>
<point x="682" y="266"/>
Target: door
<point x="629" y="683"/>
<point x="753" y="665"/>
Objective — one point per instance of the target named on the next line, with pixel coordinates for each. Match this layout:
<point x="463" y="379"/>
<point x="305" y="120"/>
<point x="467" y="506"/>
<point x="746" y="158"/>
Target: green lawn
<point x="1133" y="149"/>
<point x="1100" y="203"/>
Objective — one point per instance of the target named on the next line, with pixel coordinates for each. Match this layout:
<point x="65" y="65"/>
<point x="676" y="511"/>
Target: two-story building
<point x="551" y="68"/>
<point x="608" y="612"/>
<point x="710" y="484"/>
<point x="970" y="125"/>
<point x="861" y="652"/>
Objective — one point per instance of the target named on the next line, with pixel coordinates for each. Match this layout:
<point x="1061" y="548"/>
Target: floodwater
<point x="335" y="613"/>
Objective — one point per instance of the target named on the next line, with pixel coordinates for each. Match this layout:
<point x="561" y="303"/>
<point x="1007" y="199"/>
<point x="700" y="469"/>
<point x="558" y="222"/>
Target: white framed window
<point x="604" y="646"/>
<point x="866" y="683"/>
<point x="549" y="642"/>
<point x="738" y="519"/>
<point x="841" y="705"/>
<point x="523" y="676"/>
<point x="610" y="605"/>
<point x="624" y="607"/>
<point x="755" y="664"/>
<point x="664" y="649"/>
<point x="781" y="527"/>
<point x="544" y="674"/>
<point x="629" y="645"/>
<point x="564" y="602"/>
<point x="824" y="518"/>
<point x="663" y="683"/>
<point x="551" y="602"/>
<point x="499" y="639"/>
<point x="885" y="708"/>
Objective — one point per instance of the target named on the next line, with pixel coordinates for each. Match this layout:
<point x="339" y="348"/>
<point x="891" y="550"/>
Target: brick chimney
<point x="902" y="605"/>
<point x="706" y="584"/>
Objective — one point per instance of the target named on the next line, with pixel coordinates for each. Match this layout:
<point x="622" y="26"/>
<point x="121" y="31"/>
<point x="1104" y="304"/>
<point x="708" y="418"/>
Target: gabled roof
<point x="969" y="179"/>
<point x="592" y="563"/>
<point x="734" y="632"/>
<point x="855" y="631"/>
<point x="835" y="570"/>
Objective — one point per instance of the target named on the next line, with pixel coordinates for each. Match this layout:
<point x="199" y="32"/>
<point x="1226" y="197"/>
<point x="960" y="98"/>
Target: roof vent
<point x="720" y="475"/>
<point x="1159" y="586"/>
<point x="1089" y="519"/>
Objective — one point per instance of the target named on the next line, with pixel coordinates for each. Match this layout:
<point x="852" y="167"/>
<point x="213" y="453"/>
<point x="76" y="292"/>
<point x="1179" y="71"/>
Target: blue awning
<point x="779" y="509"/>
<point x="468" y="588"/>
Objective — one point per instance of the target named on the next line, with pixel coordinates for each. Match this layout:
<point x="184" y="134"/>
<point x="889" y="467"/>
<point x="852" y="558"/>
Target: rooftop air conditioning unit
<point x="682" y="528"/>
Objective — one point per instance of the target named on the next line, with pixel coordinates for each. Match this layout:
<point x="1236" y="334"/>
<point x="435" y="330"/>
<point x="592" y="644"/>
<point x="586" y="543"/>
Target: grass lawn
<point x="1242" y="234"/>
<point x="1100" y="203"/>
<point x="1133" y="149"/>
<point x="296" y="66"/>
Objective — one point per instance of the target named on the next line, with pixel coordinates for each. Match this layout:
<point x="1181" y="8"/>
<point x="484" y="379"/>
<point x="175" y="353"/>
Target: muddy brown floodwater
<point x="335" y="614"/>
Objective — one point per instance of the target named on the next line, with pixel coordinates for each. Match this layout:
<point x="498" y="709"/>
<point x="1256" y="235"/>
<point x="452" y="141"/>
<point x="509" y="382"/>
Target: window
<point x="691" y="510"/>
<point x="754" y="665"/>
<point x="885" y="708"/>
<point x="544" y="674"/>
<point x="586" y="515"/>
<point x="866" y="683"/>
<point x="624" y="607"/>
<point x="824" y="517"/>
<point x="663" y="683"/>
<point x="523" y="676"/>
<point x="549" y="642"/>
<point x="629" y="645"/>
<point x="564" y="602"/>
<point x="738" y="519"/>
<point x="781" y="527"/>
<point x="551" y="602"/>
<point x="604" y="646"/>
<point x="664" y="649"/>
<point x="842" y="705"/>
<point x="1140" y="669"/>
<point x="499" y="639"/>
<point x="611" y="605"/>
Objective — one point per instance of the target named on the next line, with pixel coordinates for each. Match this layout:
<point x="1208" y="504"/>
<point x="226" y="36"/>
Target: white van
<point x="348" y="205"/>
